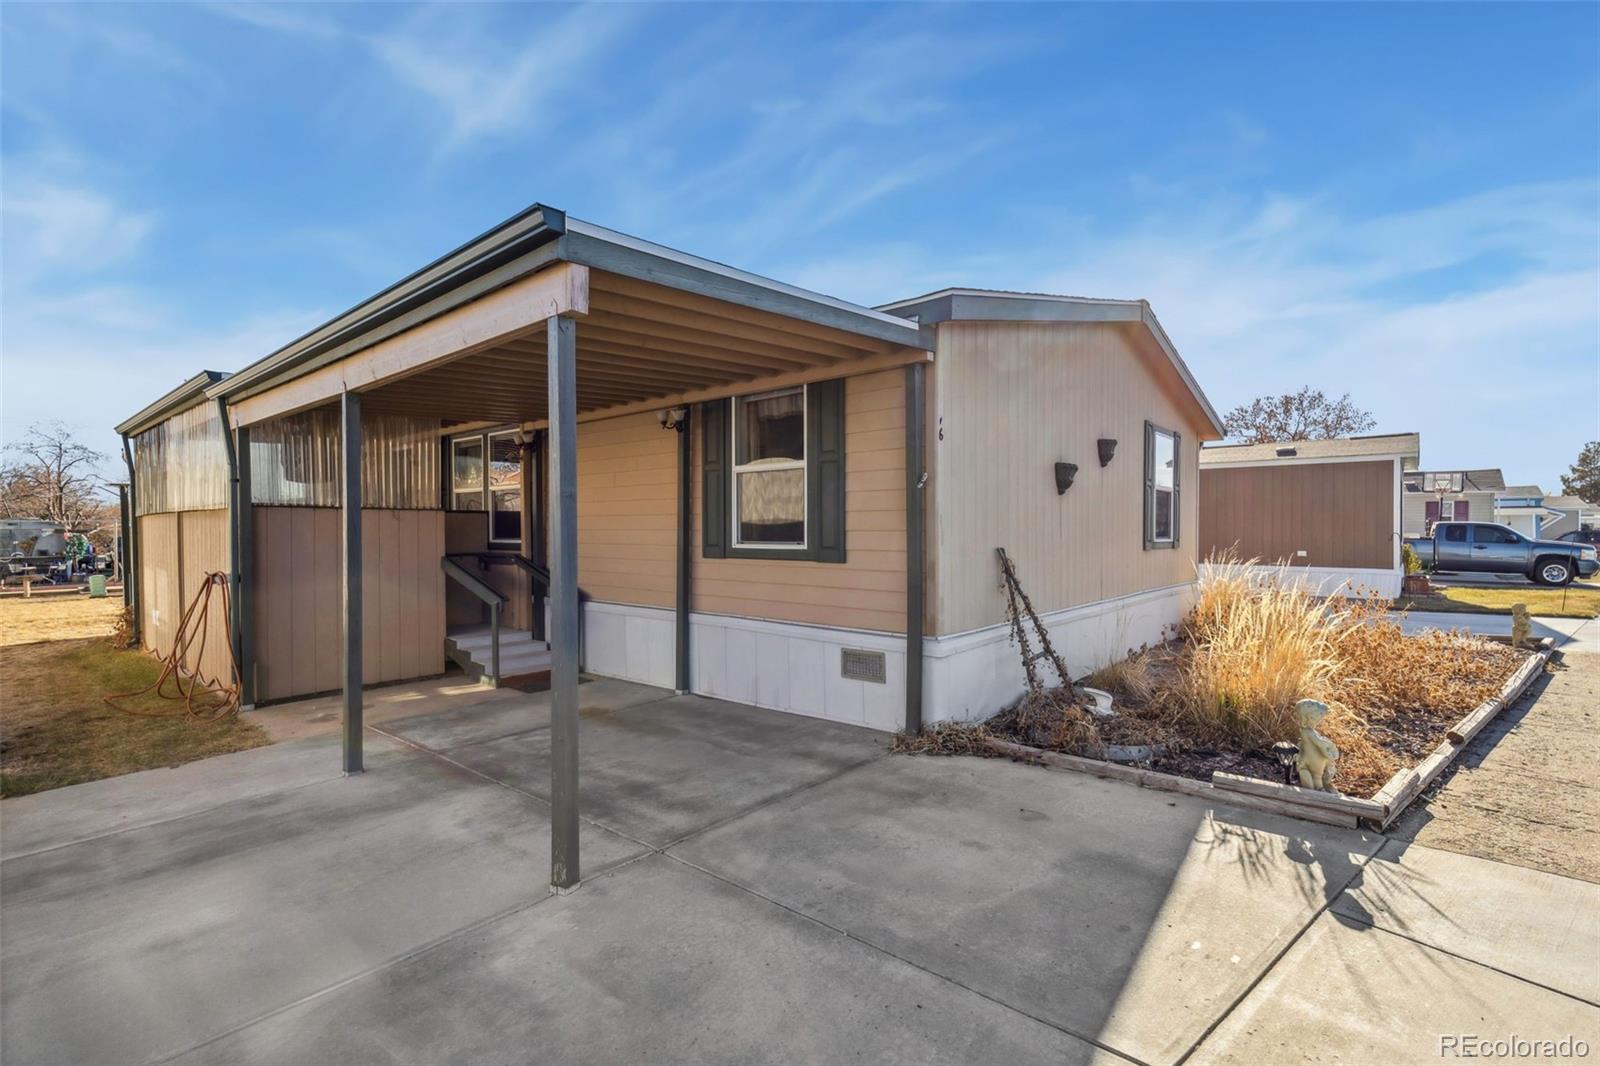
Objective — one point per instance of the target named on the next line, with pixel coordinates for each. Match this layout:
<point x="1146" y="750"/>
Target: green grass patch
<point x="56" y="728"/>
<point x="1574" y="601"/>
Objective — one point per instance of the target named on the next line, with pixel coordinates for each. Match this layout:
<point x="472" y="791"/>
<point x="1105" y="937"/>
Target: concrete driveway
<point x="758" y="888"/>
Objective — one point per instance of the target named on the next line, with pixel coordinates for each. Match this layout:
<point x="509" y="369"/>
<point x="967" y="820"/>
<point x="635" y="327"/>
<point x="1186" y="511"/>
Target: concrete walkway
<point x="1525" y="790"/>
<point x="758" y="888"/>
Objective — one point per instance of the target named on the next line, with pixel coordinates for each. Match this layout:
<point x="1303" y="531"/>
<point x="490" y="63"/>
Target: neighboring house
<point x="1568" y="514"/>
<point x="766" y="495"/>
<point x="1522" y="507"/>
<point x="1327" y="510"/>
<point x="1448" y="495"/>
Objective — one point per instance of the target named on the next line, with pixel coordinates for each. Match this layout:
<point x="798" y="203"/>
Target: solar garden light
<point x="1286" y="753"/>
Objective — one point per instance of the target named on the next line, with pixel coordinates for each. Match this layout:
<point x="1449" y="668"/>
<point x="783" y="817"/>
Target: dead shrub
<point x="1051" y="719"/>
<point x="1132" y="677"/>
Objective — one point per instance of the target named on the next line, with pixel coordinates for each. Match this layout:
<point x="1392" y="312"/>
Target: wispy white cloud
<point x="298" y="19"/>
<point x="485" y="86"/>
<point x="51" y="224"/>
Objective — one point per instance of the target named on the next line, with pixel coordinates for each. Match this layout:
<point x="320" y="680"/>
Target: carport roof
<point x="536" y="238"/>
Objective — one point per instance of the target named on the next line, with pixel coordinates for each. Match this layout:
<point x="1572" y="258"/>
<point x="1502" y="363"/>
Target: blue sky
<point x="1399" y="202"/>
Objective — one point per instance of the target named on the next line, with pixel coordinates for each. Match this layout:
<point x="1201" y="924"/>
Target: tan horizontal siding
<point x="1012" y="399"/>
<point x="628" y="510"/>
<point x="867" y="590"/>
<point x="298" y="598"/>
<point x="1339" y="514"/>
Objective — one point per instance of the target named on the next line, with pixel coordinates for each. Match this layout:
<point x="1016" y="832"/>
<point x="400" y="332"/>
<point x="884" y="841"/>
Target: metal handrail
<point x="541" y="581"/>
<point x="479" y="588"/>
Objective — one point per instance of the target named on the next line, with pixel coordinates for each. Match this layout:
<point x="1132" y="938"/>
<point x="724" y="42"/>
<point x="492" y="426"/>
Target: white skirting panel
<point x="1332" y="581"/>
<point x="797" y="668"/>
<point x="970" y="676"/>
<point x="785" y="666"/>
<point x="629" y="642"/>
<point x="782" y="666"/>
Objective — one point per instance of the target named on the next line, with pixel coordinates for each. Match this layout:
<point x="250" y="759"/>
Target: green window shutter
<point x="1149" y="482"/>
<point x="715" y="467"/>
<point x="825" y="469"/>
<point x="1177" y="485"/>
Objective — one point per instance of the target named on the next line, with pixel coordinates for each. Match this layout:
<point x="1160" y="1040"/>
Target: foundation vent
<point x="858" y="665"/>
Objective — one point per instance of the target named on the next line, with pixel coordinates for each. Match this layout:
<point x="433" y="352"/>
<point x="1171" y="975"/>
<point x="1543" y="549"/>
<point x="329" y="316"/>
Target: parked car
<point x="1581" y="536"/>
<point x="1486" y="547"/>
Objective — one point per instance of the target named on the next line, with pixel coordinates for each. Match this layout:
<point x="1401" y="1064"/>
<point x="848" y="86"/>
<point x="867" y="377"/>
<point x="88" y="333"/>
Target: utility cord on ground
<point x="204" y="698"/>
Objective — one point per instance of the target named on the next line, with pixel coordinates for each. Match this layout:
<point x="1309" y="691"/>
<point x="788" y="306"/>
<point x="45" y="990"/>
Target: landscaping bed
<point x="1211" y="703"/>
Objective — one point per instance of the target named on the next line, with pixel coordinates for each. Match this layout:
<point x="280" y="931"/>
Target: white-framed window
<point x="505" y="488"/>
<point x="466" y="474"/>
<point x="1161" y="487"/>
<point x="769" y="470"/>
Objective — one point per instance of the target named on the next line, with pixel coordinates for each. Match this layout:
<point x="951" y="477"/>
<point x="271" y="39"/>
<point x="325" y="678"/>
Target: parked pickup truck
<point x="1485" y="547"/>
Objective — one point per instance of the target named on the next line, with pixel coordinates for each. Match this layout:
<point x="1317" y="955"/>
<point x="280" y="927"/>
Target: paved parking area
<point x="758" y="887"/>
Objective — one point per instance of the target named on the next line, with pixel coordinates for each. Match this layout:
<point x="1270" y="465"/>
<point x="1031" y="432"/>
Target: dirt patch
<point x="56" y="728"/>
<point x="30" y="620"/>
<point x="1524" y="791"/>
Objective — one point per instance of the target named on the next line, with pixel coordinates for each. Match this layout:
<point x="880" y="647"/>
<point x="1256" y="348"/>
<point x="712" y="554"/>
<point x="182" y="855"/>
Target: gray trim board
<point x="916" y="497"/>
<point x="602" y="249"/>
<point x="235" y="607"/>
<point x="685" y="574"/>
<point x="562" y="371"/>
<point x="350" y="559"/>
<point x="244" y="565"/>
<point x="185" y="396"/>
<point x="130" y="565"/>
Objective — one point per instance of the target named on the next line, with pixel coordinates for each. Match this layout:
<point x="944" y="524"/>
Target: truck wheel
<point x="1552" y="572"/>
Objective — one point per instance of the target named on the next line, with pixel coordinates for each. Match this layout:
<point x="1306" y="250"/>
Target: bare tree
<point x="1303" y="415"/>
<point x="49" y="475"/>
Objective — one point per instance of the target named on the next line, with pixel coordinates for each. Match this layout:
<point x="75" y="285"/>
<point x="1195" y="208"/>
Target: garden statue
<point x="1318" y="757"/>
<point x="1520" y="625"/>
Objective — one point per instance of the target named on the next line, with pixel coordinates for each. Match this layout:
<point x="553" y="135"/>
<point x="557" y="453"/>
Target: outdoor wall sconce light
<point x="674" y="418"/>
<point x="1065" y="472"/>
<point x="1108" y="448"/>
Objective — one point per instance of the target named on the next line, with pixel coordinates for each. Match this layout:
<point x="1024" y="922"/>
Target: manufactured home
<point x="561" y="448"/>
<point x="1325" y="513"/>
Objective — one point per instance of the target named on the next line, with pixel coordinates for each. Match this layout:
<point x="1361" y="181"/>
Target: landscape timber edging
<point x="1407" y="784"/>
<point x="1328" y="808"/>
<point x="1153" y="779"/>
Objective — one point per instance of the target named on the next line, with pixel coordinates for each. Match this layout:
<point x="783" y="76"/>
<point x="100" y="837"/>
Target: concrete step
<point x="522" y="657"/>
<point x="479" y="643"/>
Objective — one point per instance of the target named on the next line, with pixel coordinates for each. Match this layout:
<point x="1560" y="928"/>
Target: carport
<point x="546" y="322"/>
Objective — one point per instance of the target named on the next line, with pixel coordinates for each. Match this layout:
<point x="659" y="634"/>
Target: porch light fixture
<point x="1108" y="448"/>
<point x="1065" y="472"/>
<point x="673" y="418"/>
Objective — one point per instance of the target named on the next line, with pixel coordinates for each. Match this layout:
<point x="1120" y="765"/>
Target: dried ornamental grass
<point x="1256" y="647"/>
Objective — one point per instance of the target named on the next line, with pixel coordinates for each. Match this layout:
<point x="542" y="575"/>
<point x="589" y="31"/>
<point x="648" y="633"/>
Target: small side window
<point x="1161" y="503"/>
<point x="505" y="488"/>
<point x="466" y="474"/>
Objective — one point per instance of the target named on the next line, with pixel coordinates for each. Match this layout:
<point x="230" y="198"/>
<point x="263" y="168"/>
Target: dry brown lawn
<point x="28" y="620"/>
<point x="56" y="728"/>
